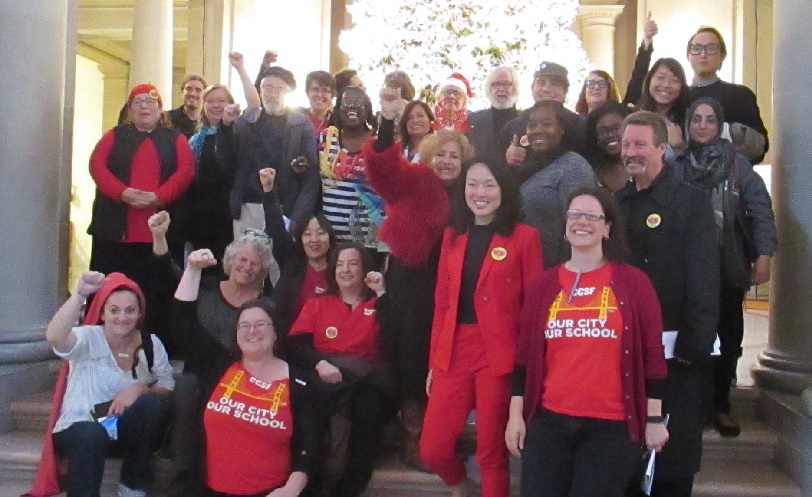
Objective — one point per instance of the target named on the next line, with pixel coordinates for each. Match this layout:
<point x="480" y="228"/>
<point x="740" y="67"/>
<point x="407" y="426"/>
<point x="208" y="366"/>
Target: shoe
<point x="125" y="491"/>
<point x="726" y="425"/>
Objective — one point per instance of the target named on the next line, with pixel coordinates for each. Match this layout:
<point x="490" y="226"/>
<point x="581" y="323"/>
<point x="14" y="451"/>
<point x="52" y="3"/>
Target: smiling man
<point x="185" y="117"/>
<point x="486" y="125"/>
<point x="270" y="136"/>
<point x="671" y="235"/>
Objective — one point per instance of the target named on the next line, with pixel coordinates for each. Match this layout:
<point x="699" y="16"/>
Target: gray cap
<point x="547" y="68"/>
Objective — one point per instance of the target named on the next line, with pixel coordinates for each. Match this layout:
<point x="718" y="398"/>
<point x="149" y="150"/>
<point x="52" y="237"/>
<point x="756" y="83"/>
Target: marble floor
<point x="756" y="325"/>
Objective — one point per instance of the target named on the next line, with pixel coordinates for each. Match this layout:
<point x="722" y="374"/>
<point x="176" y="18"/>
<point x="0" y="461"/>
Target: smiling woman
<point x="585" y="318"/>
<point x="551" y="172"/>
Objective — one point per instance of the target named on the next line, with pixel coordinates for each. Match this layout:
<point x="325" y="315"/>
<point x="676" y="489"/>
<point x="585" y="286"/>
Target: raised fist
<point x="231" y="113"/>
<point x="390" y="102"/>
<point x="159" y="223"/>
<point x="201" y="259"/>
<point x="266" y="177"/>
<point x="89" y="282"/>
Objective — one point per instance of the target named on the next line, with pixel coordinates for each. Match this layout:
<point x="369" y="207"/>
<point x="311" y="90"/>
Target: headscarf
<point x="710" y="162"/>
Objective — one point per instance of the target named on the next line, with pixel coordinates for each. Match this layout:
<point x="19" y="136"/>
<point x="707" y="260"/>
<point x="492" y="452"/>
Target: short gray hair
<point x="262" y="246"/>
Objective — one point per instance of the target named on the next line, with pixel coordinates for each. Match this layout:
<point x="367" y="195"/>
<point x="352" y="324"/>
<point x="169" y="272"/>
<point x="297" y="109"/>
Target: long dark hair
<point x="371" y="121"/>
<point x="507" y="215"/>
<point x="678" y="107"/>
<point x="402" y="125"/>
<point x="367" y="265"/>
<point x="614" y="247"/>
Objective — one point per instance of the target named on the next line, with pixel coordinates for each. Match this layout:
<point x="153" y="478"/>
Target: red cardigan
<point x="502" y="291"/>
<point x="417" y="203"/>
<point x="642" y="364"/>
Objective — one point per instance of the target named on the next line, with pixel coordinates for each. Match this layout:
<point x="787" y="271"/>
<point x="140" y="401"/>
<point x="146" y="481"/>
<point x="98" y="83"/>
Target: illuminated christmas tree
<point x="430" y="39"/>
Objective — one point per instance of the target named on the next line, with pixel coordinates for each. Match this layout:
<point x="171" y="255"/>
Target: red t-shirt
<point x="583" y="348"/>
<point x="314" y="285"/>
<point x="248" y="425"/>
<point x="337" y="328"/>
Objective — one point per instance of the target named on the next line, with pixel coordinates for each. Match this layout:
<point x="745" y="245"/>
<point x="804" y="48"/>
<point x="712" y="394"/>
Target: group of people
<point x="562" y="274"/>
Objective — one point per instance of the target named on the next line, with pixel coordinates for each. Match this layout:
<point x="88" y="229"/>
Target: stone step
<point x="20" y="450"/>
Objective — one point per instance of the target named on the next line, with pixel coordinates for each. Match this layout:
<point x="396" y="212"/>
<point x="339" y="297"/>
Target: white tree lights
<point x="430" y="39"/>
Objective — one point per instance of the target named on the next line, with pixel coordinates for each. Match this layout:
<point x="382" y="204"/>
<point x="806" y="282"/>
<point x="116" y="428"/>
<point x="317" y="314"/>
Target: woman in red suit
<point x="487" y="262"/>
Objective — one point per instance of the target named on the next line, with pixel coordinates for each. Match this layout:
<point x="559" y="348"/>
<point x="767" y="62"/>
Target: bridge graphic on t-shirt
<point x="235" y="385"/>
<point x="600" y="303"/>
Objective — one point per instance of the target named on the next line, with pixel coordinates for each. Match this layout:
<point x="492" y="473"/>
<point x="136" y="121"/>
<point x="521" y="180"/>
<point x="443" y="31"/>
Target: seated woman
<point x="117" y="369"/>
<point x="250" y="395"/>
<point x="337" y="335"/>
<point x="208" y="310"/>
<point x="586" y="397"/>
<point x="302" y="257"/>
<point x="551" y="171"/>
<point x="604" y="130"/>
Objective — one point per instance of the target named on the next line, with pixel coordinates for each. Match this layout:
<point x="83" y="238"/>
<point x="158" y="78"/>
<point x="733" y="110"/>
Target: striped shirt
<point x="348" y="201"/>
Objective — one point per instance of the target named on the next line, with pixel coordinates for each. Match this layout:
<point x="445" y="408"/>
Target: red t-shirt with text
<point x="248" y="425"/>
<point x="583" y="348"/>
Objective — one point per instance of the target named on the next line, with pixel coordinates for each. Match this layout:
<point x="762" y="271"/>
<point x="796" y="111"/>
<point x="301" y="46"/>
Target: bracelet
<point x="655" y="419"/>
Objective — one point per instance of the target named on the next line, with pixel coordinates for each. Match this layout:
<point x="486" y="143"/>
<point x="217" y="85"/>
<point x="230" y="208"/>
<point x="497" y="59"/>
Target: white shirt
<point x="95" y="377"/>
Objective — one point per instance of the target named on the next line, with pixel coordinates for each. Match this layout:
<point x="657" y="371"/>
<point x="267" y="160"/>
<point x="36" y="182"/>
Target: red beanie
<point x="145" y="88"/>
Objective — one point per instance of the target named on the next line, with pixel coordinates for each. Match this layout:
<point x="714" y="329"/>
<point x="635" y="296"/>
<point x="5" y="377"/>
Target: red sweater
<point x="417" y="203"/>
<point x="145" y="175"/>
<point x="642" y="361"/>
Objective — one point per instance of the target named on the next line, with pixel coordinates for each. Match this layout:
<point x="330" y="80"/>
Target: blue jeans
<point x="85" y="444"/>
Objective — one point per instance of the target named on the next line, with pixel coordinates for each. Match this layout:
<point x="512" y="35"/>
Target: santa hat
<point x="145" y="88"/>
<point x="459" y="81"/>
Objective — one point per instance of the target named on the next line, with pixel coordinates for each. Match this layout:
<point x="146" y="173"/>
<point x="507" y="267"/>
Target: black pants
<point x="153" y="276"/>
<point x="568" y="456"/>
<point x="85" y="444"/>
<point x="731" y="335"/>
<point x="368" y="410"/>
<point x="187" y="424"/>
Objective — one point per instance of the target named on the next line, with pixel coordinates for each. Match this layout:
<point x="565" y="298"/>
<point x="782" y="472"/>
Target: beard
<point x="502" y="103"/>
<point x="273" y="106"/>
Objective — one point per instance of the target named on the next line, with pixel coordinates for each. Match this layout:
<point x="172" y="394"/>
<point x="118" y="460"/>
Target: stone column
<point x="37" y="84"/>
<point x="786" y="364"/>
<point x="152" y="46"/>
<point x="597" y="21"/>
<point x="209" y="36"/>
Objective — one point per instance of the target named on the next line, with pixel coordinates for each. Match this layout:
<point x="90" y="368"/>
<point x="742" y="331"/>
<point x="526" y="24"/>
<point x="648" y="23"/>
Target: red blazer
<point x="510" y="265"/>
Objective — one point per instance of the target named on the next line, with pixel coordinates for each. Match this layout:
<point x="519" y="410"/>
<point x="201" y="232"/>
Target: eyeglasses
<point x="320" y="91"/>
<point x="274" y="89"/>
<point x="596" y="83"/>
<point x="607" y="130"/>
<point x="259" y="234"/>
<point x="451" y="92"/>
<point x="710" y="48"/>
<point x="260" y="326"/>
<point x="572" y="215"/>
<point x="144" y="101"/>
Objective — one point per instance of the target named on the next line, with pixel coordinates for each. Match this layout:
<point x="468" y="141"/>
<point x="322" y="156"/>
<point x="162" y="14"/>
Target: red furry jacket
<point x="417" y="203"/>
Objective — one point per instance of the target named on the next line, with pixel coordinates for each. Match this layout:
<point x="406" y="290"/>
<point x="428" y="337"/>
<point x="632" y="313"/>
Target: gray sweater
<point x="544" y="199"/>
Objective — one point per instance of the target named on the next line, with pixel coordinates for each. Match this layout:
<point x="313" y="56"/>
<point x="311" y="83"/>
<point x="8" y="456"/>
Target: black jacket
<point x="299" y="193"/>
<point x="305" y="391"/>
<point x="748" y="227"/>
<point x="672" y="237"/>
